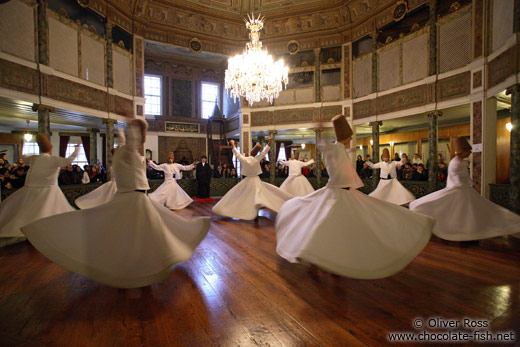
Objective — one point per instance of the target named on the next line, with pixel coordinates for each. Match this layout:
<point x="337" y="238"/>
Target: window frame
<point x="202" y="97"/>
<point x="160" y="95"/>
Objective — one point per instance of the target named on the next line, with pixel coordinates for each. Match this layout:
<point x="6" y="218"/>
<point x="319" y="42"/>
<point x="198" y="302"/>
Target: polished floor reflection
<point x="236" y="291"/>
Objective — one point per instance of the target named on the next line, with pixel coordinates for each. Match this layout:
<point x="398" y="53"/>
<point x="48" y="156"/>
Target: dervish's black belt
<point x="140" y="191"/>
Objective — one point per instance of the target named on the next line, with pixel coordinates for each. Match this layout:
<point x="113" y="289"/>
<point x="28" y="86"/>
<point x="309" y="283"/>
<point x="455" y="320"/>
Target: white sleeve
<point x="155" y="166"/>
<point x="238" y="154"/>
<point x="309" y="162"/>
<point x="187" y="167"/>
<point x="263" y="153"/>
<point x="61" y="162"/>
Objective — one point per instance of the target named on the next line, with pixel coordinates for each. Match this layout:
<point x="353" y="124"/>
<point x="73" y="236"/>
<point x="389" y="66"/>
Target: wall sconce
<point x="303" y="145"/>
<point x="361" y="147"/>
<point x="391" y="143"/>
<point x="371" y="142"/>
<point x="509" y="127"/>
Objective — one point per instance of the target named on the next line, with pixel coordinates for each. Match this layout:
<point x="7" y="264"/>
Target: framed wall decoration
<point x="181" y="127"/>
<point x="293" y="47"/>
<point x="195" y="45"/>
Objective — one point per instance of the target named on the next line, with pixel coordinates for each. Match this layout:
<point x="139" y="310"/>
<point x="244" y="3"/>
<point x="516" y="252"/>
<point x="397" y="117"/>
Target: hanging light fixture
<point x="27" y="136"/>
<point x="254" y="74"/>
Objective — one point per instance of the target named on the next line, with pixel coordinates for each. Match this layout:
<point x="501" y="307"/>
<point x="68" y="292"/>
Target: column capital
<point x="42" y="107"/>
<point x="434" y="113"/>
<point x="515" y="88"/>
<point x="377" y="122"/>
<point x="318" y="129"/>
<point x="109" y="121"/>
<point x="272" y="132"/>
<point x="93" y="130"/>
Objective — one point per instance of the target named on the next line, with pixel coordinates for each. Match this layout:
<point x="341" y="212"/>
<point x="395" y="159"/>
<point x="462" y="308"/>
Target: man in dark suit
<point x="203" y="178"/>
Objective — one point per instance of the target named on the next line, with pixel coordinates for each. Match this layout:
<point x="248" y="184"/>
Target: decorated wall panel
<point x="362" y="76"/>
<point x="328" y="112"/>
<point x="389" y="68"/>
<point x="331" y="93"/>
<point x="122" y="71"/>
<point x="191" y="148"/>
<point x="403" y="99"/>
<point x="92" y="59"/>
<point x="363" y="109"/>
<point x="286" y="97"/>
<point x="454" y="86"/>
<point x="455" y="42"/>
<point x="17" y="32"/>
<point x="63" y="47"/>
<point x="74" y="93"/>
<point x="304" y="115"/>
<point x="502" y="22"/>
<point x="346" y="72"/>
<point x="181" y="98"/>
<point x="304" y="95"/>
<point x="18" y="77"/>
<point x="502" y="67"/>
<point x="415" y="59"/>
<point x="260" y="118"/>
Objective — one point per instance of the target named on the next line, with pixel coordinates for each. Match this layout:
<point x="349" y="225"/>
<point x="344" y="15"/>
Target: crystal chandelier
<point x="254" y="74"/>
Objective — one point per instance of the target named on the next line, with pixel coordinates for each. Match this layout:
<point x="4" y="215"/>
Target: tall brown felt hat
<point x="257" y="148"/>
<point x="461" y="145"/>
<point x="386" y="152"/>
<point x="44" y="143"/>
<point x="170" y="155"/>
<point x="342" y="128"/>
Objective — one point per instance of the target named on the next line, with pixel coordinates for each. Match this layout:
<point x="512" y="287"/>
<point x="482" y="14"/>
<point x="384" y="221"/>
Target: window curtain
<point x="287" y="145"/>
<point x="104" y="156"/>
<point x="278" y="145"/>
<point x="86" y="146"/>
<point x="64" y="141"/>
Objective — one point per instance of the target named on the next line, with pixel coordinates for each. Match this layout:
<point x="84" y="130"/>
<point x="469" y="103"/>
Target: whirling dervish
<point x="129" y="242"/>
<point x="460" y="212"/>
<point x="344" y="231"/>
<point x="170" y="194"/>
<point x="245" y="199"/>
<point x="40" y="197"/>
<point x="296" y="184"/>
<point x="389" y="188"/>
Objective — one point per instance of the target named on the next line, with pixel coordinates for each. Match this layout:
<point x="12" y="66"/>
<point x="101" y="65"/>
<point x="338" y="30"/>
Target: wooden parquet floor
<point x="236" y="291"/>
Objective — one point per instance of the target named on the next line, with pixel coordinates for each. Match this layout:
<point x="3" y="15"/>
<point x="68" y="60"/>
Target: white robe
<point x="170" y="194"/>
<point x="390" y="190"/>
<point x="99" y="196"/>
<point x="296" y="184"/>
<point x="461" y="213"/>
<point x="129" y="242"/>
<point x="40" y="197"/>
<point x="245" y="199"/>
<point x="347" y="232"/>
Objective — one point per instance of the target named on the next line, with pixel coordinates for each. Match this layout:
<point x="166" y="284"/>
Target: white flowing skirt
<point x="29" y="204"/>
<point x="129" y="242"/>
<point x="350" y="234"/>
<point x="99" y="196"/>
<point x="392" y="191"/>
<point x="461" y="214"/>
<point x="245" y="199"/>
<point x="297" y="186"/>
<point x="171" y="195"/>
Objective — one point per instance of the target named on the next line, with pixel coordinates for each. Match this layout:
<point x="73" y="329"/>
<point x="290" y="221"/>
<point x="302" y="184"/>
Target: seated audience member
<point x="396" y="157"/>
<point x="442" y="174"/>
<point x="3" y="159"/>
<point x="404" y="158"/>
<point x="366" y="171"/>
<point x="417" y="159"/>
<point x="233" y="173"/>
<point x="266" y="173"/>
<point x="67" y="176"/>
<point x="5" y="179"/>
<point x="19" y="177"/>
<point x="228" y="172"/>
<point x="368" y="158"/>
<point x="420" y="174"/>
<point x="218" y="173"/>
<point x="408" y="172"/>
<point x="359" y="164"/>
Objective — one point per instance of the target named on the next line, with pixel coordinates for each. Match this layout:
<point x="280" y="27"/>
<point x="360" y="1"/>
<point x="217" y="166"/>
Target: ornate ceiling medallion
<point x="195" y="45"/>
<point x="400" y="9"/>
